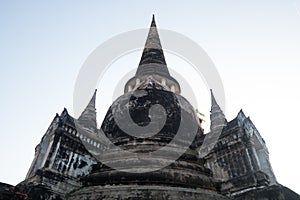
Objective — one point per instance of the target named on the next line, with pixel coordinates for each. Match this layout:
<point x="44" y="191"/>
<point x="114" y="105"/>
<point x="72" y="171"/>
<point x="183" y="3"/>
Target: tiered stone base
<point x="130" y="192"/>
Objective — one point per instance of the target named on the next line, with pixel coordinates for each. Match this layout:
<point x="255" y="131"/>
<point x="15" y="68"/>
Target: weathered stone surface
<point x="135" y="192"/>
<point x="6" y="191"/>
<point x="186" y="172"/>
<point x="274" y="192"/>
<point x="33" y="191"/>
<point x="138" y="104"/>
<point x="240" y="158"/>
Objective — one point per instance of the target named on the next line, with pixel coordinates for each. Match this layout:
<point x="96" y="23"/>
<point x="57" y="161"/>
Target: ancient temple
<point x="69" y="162"/>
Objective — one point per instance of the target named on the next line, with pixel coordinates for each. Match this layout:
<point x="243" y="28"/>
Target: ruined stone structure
<point x="66" y="164"/>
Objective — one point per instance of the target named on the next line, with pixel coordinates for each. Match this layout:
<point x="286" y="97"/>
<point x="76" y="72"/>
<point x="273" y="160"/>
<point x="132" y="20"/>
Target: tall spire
<point x="153" y="56"/>
<point x="217" y="117"/>
<point x="88" y="117"/>
<point x="153" y="64"/>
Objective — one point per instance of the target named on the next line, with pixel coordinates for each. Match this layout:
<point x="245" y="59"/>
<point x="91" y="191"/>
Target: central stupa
<point x="143" y="173"/>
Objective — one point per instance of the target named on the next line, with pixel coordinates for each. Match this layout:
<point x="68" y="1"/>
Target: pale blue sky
<point x="255" y="45"/>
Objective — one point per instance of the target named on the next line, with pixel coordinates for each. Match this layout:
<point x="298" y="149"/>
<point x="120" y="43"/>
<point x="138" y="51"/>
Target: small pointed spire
<point x="66" y="118"/>
<point x="241" y="113"/>
<point x="65" y="111"/>
<point x="217" y="117"/>
<point x="92" y="103"/>
<point x="241" y="117"/>
<point x="213" y="99"/>
<point x="153" y="21"/>
<point x="88" y="117"/>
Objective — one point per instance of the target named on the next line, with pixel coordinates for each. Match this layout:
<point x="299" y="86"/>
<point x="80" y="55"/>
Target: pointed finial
<point x="91" y="106"/>
<point x="153" y="21"/>
<point x="214" y="104"/>
<point x="93" y="99"/>
<point x="241" y="113"/>
<point x="217" y="117"/>
<point x="88" y="117"/>
<point x="213" y="100"/>
<point x="64" y="112"/>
